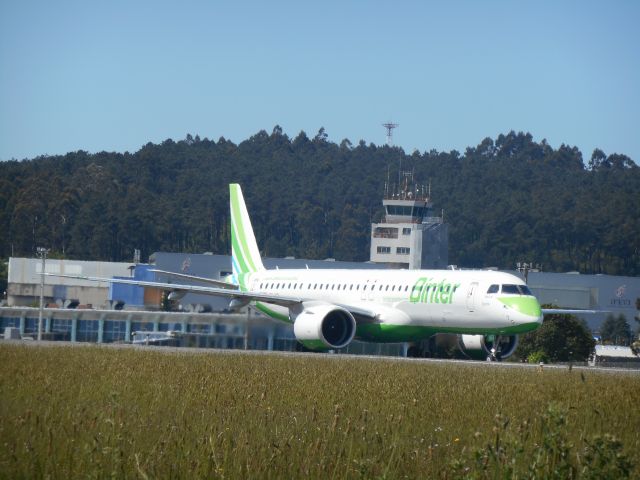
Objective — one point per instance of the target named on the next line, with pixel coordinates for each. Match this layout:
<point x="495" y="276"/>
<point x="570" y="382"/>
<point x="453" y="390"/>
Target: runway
<point x="324" y="356"/>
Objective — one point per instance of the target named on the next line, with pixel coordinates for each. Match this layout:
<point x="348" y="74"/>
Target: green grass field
<point x="100" y="412"/>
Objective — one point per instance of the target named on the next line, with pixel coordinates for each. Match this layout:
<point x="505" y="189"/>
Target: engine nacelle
<point x="176" y="295"/>
<point x="324" y="327"/>
<point x="479" y="346"/>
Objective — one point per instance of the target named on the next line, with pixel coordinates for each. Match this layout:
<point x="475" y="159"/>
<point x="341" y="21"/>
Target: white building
<point x="24" y="281"/>
<point x="410" y="236"/>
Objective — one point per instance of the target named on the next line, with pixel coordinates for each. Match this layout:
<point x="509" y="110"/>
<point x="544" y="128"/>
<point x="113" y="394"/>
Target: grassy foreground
<point x="98" y="412"/>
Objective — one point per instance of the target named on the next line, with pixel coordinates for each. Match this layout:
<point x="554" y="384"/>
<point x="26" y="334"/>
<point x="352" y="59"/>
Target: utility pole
<point x="42" y="253"/>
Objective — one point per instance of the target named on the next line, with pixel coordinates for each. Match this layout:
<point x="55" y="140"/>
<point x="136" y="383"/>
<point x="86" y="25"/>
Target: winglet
<point x="245" y="256"/>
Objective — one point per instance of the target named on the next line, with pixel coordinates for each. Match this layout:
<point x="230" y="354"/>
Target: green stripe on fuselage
<point x="385" y="332"/>
<point x="525" y="305"/>
<point x="271" y="313"/>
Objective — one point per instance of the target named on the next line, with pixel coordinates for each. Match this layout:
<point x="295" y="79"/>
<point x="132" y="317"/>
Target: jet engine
<point x="324" y="327"/>
<point x="479" y="347"/>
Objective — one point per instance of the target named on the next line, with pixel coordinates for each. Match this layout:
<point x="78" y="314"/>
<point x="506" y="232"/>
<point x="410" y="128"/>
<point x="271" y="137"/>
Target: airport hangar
<point x="106" y="314"/>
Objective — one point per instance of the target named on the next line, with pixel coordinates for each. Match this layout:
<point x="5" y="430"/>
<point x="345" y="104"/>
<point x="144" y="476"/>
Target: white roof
<point x="27" y="270"/>
<point x="614" y="351"/>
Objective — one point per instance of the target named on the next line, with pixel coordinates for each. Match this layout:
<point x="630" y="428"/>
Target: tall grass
<point x="97" y="412"/>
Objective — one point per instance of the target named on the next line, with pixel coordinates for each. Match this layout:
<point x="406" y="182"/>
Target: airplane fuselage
<point x="408" y="305"/>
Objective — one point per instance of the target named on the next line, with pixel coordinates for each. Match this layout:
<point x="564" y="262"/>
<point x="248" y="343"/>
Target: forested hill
<point x="506" y="200"/>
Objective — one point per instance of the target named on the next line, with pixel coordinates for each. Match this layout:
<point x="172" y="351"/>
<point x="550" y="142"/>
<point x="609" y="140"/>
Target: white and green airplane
<point x="330" y="308"/>
<point x="483" y="311"/>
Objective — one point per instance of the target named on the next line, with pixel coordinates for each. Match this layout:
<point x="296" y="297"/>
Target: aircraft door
<point x="471" y="296"/>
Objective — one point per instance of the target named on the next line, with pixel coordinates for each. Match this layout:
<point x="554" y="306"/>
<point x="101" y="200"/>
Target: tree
<point x="598" y="160"/>
<point x="321" y="136"/>
<point x="635" y="346"/>
<point x="616" y="330"/>
<point x="4" y="272"/>
<point x="561" y="338"/>
<point x="172" y="197"/>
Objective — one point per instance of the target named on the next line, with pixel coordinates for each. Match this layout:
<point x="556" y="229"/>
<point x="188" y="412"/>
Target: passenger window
<point x="493" y="289"/>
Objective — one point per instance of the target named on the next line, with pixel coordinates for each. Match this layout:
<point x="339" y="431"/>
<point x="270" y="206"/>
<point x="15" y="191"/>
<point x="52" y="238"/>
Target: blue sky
<point x="114" y="75"/>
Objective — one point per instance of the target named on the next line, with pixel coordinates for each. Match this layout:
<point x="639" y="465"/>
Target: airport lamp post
<point x="525" y="268"/>
<point x="42" y="253"/>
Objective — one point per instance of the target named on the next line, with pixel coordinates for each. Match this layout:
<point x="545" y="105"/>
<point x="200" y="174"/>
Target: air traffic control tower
<point x="409" y="236"/>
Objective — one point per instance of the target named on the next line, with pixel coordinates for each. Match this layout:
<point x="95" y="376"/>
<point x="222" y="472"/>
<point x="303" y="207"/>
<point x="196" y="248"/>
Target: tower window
<point x="403" y="250"/>
<point x="385" y="232"/>
<point x="384" y="249"/>
<point x="406" y="231"/>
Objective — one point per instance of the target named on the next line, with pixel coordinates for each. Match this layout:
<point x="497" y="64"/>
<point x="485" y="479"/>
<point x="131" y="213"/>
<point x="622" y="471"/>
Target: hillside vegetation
<point x="506" y="200"/>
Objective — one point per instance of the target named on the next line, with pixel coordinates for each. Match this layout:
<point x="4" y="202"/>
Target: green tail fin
<point x="245" y="256"/>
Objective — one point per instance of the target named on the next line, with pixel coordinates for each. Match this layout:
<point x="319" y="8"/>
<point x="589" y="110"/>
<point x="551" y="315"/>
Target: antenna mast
<point x="390" y="126"/>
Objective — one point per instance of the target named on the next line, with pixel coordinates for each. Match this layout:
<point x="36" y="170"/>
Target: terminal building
<point x="114" y="312"/>
<point x="23" y="287"/>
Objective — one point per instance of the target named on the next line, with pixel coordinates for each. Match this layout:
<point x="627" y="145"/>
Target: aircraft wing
<point x="569" y="311"/>
<point x="362" y="314"/>
<point x="217" y="283"/>
<point x="281" y="300"/>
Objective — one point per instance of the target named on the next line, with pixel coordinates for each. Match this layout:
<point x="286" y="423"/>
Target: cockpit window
<point x="516" y="290"/>
<point x="525" y="290"/>
<point x="510" y="289"/>
<point x="493" y="289"/>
